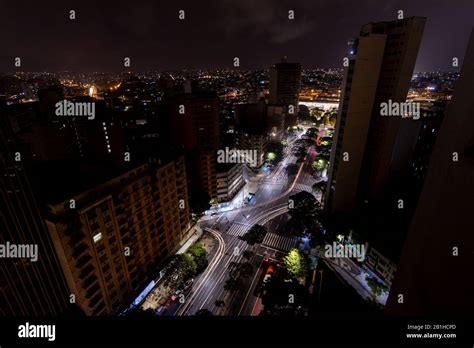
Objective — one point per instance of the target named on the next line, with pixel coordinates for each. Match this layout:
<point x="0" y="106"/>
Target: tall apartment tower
<point x="380" y="68"/>
<point x="285" y="82"/>
<point x="438" y="251"/>
<point x="252" y="129"/>
<point x="111" y="236"/>
<point x="194" y="125"/>
<point x="27" y="288"/>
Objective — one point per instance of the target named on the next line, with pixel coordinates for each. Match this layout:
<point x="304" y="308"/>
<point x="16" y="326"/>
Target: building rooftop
<point x="56" y="181"/>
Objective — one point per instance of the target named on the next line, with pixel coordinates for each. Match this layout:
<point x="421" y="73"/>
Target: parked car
<point x="176" y="294"/>
<point x="268" y="275"/>
<point x="188" y="284"/>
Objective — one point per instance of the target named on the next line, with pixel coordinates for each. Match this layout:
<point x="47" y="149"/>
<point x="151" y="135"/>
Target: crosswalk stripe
<point x="235" y="229"/>
<point x="279" y="242"/>
<point x="302" y="187"/>
<point x="274" y="239"/>
<point x="269" y="237"/>
<point x="232" y="229"/>
<point x="238" y="230"/>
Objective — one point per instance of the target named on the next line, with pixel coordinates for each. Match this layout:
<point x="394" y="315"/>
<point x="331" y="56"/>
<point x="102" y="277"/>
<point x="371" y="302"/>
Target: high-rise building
<point x="256" y="126"/>
<point x="285" y="82"/>
<point x="111" y="229"/>
<point x="43" y="136"/>
<point x="193" y="119"/>
<point x="276" y="121"/>
<point x="47" y="99"/>
<point x="27" y="287"/>
<point x="252" y="117"/>
<point x="407" y="176"/>
<point x="432" y="276"/>
<point x="256" y="143"/>
<point x="380" y="69"/>
<point x="39" y="138"/>
<point x="229" y="180"/>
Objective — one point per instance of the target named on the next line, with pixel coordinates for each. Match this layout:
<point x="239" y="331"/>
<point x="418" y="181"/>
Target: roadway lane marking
<point x="221" y="275"/>
<point x="250" y="287"/>
<point x="213" y="265"/>
<point x="242" y="246"/>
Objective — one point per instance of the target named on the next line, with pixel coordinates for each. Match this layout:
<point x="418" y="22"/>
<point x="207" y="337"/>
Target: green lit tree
<point x="376" y="287"/>
<point x="274" y="151"/>
<point x="295" y="263"/>
<point x="319" y="164"/>
<point x="183" y="269"/>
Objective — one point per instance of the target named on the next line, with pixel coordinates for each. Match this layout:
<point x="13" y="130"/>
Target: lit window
<point x="97" y="237"/>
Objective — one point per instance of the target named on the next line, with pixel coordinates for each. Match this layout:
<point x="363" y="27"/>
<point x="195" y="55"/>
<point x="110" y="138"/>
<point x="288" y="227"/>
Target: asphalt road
<point x="270" y="207"/>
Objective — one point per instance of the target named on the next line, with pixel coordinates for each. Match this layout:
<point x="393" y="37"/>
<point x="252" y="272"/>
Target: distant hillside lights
<point x="75" y="109"/>
<point x="238" y="156"/>
<point x="404" y="110"/>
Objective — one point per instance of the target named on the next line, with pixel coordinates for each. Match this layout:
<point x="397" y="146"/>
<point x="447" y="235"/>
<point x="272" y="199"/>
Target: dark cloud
<point x="215" y="31"/>
<point x="262" y="19"/>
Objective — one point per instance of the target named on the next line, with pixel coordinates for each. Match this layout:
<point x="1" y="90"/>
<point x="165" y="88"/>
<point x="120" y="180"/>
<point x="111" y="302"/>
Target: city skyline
<point x="139" y="188"/>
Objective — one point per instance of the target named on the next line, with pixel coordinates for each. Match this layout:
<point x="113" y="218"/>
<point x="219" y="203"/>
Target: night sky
<point x="256" y="31"/>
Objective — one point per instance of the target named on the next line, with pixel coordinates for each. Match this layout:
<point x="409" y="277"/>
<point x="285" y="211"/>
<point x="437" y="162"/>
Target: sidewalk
<point x="193" y="235"/>
<point x="151" y="295"/>
<point x="239" y="199"/>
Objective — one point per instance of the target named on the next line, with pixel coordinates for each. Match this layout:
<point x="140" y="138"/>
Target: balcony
<point x="91" y="279"/>
<point x="83" y="260"/>
<point x="79" y="249"/>
<point x="86" y="271"/>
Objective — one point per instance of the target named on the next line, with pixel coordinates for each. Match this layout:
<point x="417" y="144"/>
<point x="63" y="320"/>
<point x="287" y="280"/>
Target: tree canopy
<point x="296" y="263"/>
<point x="255" y="235"/>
